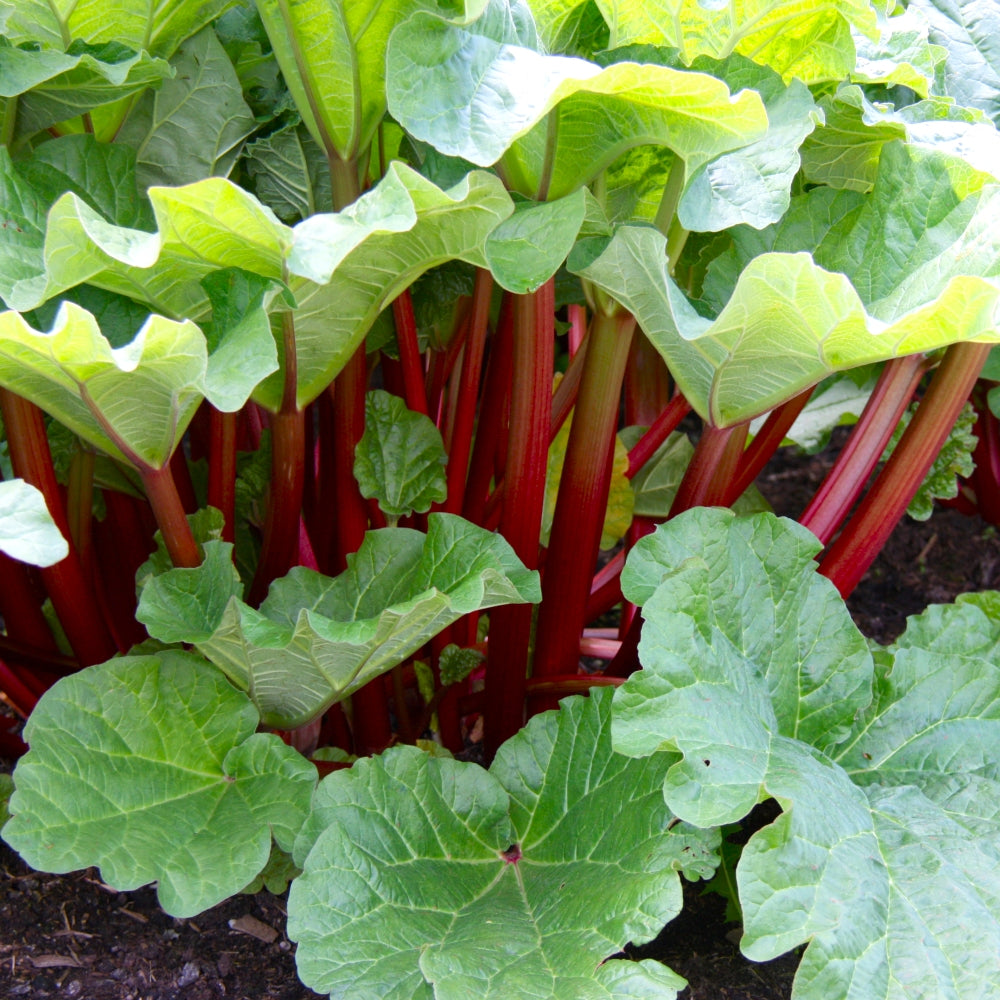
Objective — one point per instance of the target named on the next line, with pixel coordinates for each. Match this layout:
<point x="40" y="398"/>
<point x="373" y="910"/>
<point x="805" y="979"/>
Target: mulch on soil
<point x="72" y="936"/>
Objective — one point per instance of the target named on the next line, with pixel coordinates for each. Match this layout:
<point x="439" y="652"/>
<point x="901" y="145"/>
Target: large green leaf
<point x="137" y="399"/>
<point x="752" y="184"/>
<point x="332" y="56"/>
<point x="348" y="267"/>
<point x="910" y="269"/>
<point x="194" y="125"/>
<point x="901" y="55"/>
<point x="970" y="31"/>
<point x="429" y="878"/>
<point x="150" y="767"/>
<point x="845" y="152"/>
<point x="155" y="28"/>
<point x="342" y="269"/>
<point x="53" y="85"/>
<point x="798" y="38"/>
<point x="27" y="531"/>
<point x="316" y="640"/>
<point x="482" y="94"/>
<point x="886" y="858"/>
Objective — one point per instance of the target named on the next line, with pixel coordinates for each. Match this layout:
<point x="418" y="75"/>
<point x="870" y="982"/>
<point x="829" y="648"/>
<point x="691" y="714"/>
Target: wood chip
<point x="55" y="962"/>
<point x="131" y="913"/>
<point x="255" y="928"/>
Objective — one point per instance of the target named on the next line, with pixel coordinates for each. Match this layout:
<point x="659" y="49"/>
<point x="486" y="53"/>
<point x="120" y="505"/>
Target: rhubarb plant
<point x="337" y="336"/>
<point x="883" y="762"/>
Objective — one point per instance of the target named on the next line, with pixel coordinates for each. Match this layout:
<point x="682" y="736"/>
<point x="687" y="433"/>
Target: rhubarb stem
<point x="855" y="549"/>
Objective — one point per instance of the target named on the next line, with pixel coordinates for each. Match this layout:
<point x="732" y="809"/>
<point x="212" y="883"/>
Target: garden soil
<point x="72" y="936"/>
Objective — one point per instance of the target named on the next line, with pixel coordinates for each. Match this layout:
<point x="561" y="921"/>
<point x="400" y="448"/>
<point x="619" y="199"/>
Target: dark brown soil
<point x="71" y="936"/>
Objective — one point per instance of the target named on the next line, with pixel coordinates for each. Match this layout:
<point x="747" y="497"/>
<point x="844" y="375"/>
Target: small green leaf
<point x="528" y="247"/>
<point x="316" y="640"/>
<point x="431" y="877"/>
<point x="400" y="459"/>
<point x="150" y="767"/>
<point x="27" y="531"/>
<point x="289" y="173"/>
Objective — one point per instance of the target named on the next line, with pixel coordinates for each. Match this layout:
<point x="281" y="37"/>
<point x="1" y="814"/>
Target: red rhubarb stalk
<point x="855" y="549"/>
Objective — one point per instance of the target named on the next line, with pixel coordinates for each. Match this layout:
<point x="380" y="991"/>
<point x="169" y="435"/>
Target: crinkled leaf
<point x="150" y="768"/>
<point x="903" y="53"/>
<point x="139" y="397"/>
<point x="435" y="878"/>
<point x="970" y="31"/>
<point x="157" y="28"/>
<point x="56" y="84"/>
<point x="27" y="531"/>
<point x="530" y="245"/>
<point x="332" y="56"/>
<point x="353" y="264"/>
<point x="886" y="858"/>
<point x="193" y="126"/>
<point x="798" y="38"/>
<point x="342" y="269"/>
<point x="915" y="258"/>
<point x="101" y="173"/>
<point x="400" y="459"/>
<point x="557" y="121"/>
<point x="845" y="152"/>
<point x="752" y="184"/>
<point x="289" y="173"/>
<point x="952" y="461"/>
<point x="316" y="639"/>
<point x="455" y="663"/>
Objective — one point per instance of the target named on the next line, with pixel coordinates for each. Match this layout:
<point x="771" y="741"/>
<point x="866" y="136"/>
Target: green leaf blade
<point x="149" y="767"/>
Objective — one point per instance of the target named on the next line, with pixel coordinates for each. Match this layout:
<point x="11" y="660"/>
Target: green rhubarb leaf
<point x="571" y="27"/>
<point x="332" y="56"/>
<point x="556" y="121"/>
<point x="193" y="126"/>
<point x="796" y="38"/>
<point x="133" y="402"/>
<point x="350" y="266"/>
<point x="6" y="788"/>
<point x="885" y="860"/>
<point x="342" y="269"/>
<point x="289" y="173"/>
<point x="155" y="28"/>
<point x="845" y="152"/>
<point x="56" y="84"/>
<point x="794" y="318"/>
<point x="202" y="227"/>
<point x="902" y="55"/>
<point x="27" y="531"/>
<point x="426" y="877"/>
<point x="751" y="185"/>
<point x="400" y="459"/>
<point x="150" y="768"/>
<point x="970" y="32"/>
<point x="241" y="349"/>
<point x="530" y="245"/>
<point x="316" y="640"/>
<point x="101" y="173"/>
